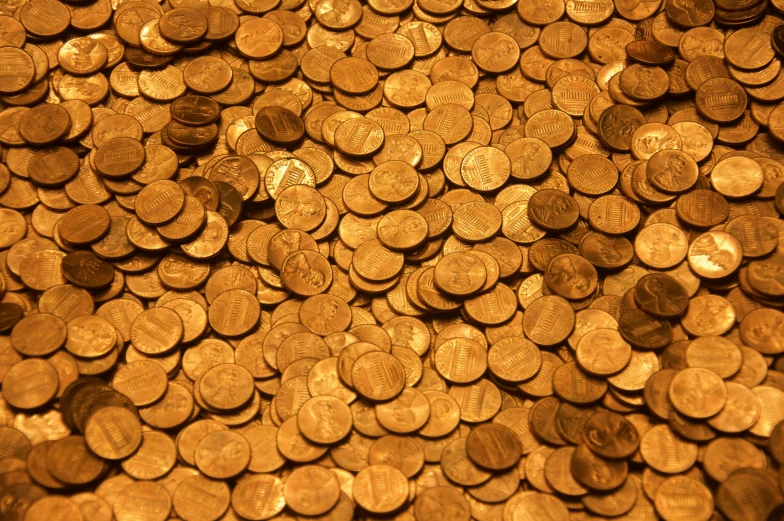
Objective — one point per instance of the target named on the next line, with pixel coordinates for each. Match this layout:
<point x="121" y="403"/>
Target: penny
<point x="364" y="277"/>
<point x="38" y="335"/>
<point x="144" y="382"/>
<point x="672" y="171"/>
<point x="661" y="295"/>
<point x="584" y="463"/>
<point x="46" y="506"/>
<point x="279" y="125"/>
<point x="548" y="320"/>
<point x="222" y="454"/>
<point x="226" y="386"/>
<point x="393" y="181"/>
<point x="183" y="25"/>
<point x="208" y="75"/>
<point x="159" y="202"/>
<point x="514" y="359"/>
<point x="245" y="497"/>
<point x="21" y="72"/>
<point x="375" y="385"/>
<point x="683" y="487"/>
<point x="101" y="428"/>
<point x="195" y="488"/>
<point x="571" y="276"/>
<point x="73" y="448"/>
<point x="325" y="487"/>
<point x="711" y="104"/>
<point x="53" y="166"/>
<point x="707" y="393"/>
<point x="603" y="352"/>
<point x="507" y="446"/>
<point x="156" y="331"/>
<point x="30" y="383"/>
<point x="552" y="210"/>
<point x="714" y="255"/>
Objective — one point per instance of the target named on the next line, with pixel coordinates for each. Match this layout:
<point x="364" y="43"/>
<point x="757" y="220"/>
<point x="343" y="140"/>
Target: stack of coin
<point x="492" y="260"/>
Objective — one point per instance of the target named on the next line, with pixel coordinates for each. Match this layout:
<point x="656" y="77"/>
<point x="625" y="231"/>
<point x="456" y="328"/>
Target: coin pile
<point x="415" y="260"/>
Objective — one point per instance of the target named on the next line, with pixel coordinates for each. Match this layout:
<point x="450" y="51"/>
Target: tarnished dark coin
<point x="84" y="269"/>
<point x="661" y="295"/>
<point x="195" y="110"/>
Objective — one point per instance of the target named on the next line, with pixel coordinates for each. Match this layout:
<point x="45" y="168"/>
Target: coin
<point x="30" y="384"/>
<point x="506" y="444"/>
<point x="240" y="237"/>
<point x="324" y="483"/>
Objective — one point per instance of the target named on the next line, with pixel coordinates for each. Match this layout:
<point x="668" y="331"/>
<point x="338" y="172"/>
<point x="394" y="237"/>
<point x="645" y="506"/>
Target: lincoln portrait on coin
<point x="225" y="394"/>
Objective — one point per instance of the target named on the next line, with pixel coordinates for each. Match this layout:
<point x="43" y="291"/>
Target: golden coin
<point x="183" y="25"/>
<point x="548" y="320"/>
<point x="562" y="40"/>
<point x="312" y="490"/>
<point x="460" y="274"/>
<point x="208" y="75"/>
<point x="30" y="383"/>
<point x="156" y="331"/>
<point x="603" y="352"/>
<point x="39" y="334"/>
<point x="507" y="448"/>
<point x="377" y="376"/>
<point x="679" y="456"/>
<point x="222" y="454"/>
<point x="644" y="83"/>
<point x="536" y="502"/>
<point x="741" y="412"/>
<point x="436" y="501"/>
<point x="698" y="393"/>
<point x="90" y="336"/>
<point x="48" y="506"/>
<point x="711" y="96"/>
<point x="405" y="413"/>
<point x="259" y="38"/>
<point x="485" y="169"/>
<point x="198" y="498"/>
<point x="714" y="255"/>
<point x="258" y="497"/>
<point x="610" y="435"/>
<point x="21" y="75"/>
<point x="279" y="125"/>
<point x="113" y="432"/>
<point x="450" y="121"/>
<point x="495" y="52"/>
<point x="156" y="456"/>
<point x="324" y="419"/>
<point x="553" y="210"/>
<point x="456" y="465"/>
<point x="571" y="276"/>
<point x="584" y="463"/>
<point x="61" y="457"/>
<point x="677" y="488"/>
<point x="226" y="386"/>
<point x="592" y="174"/>
<point x="554" y="127"/>
<point x="514" y="359"/>
<point x="82" y="56"/>
<point x="151" y="494"/>
<point x="144" y="382"/>
<point x="354" y="75"/>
